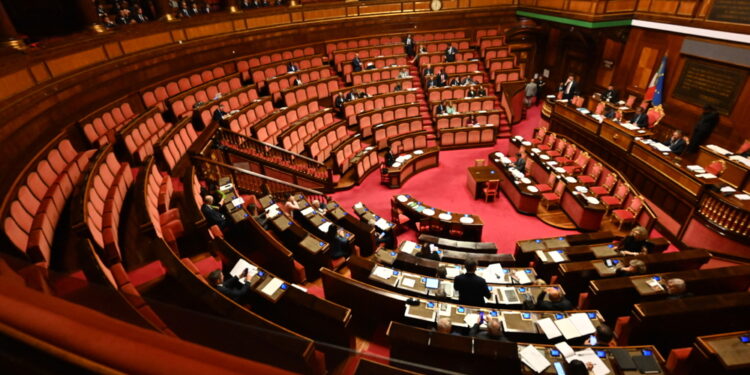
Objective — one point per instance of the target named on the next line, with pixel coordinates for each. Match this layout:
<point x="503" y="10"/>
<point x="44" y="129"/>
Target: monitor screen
<point x="431" y="283"/>
<point x="745" y="339"/>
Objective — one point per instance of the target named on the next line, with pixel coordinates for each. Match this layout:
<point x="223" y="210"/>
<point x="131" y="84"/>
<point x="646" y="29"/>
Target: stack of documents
<point x="719" y="150"/>
<point x="531" y="357"/>
<point x="382" y="272"/>
<point x="408" y="247"/>
<point x="241" y="266"/>
<point x="576" y="325"/>
<point x="494" y="274"/>
<point x="586" y="356"/>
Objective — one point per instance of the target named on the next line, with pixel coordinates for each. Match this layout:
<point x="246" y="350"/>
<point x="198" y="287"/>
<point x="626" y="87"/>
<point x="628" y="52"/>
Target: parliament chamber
<point x="375" y="186"/>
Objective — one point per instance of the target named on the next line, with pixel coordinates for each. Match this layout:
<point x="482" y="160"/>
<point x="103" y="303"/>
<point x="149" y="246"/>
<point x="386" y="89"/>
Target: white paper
<point x="452" y="272"/>
<point x="407" y="282"/>
<point x="727" y="189"/>
<point x="654" y="284"/>
<point x="742" y="197"/>
<point x="382" y="272"/>
<point x="408" y="247"/>
<point x="324" y="227"/>
<point x="494" y="273"/>
<point x="549" y="328"/>
<point x="556" y="256"/>
<point x="567" y="328"/>
<point x="706" y="175"/>
<point x="695" y="168"/>
<point x="445" y="310"/>
<point x="237" y="202"/>
<point x="358" y="205"/>
<point x="428" y="211"/>
<point x="583" y="324"/>
<point x="272" y="286"/>
<point x="542" y="255"/>
<point x="566" y="350"/>
<point x="471" y="319"/>
<point x="307" y="211"/>
<point x="535" y="360"/>
<point x="383" y="224"/>
<point x="719" y="150"/>
<point x="589" y="356"/>
<point x="241" y="266"/>
<point x="522" y="277"/>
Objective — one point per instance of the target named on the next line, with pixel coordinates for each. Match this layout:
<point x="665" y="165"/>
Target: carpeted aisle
<point x="445" y="187"/>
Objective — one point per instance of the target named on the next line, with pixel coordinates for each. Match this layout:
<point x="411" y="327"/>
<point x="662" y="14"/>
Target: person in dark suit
<point x="431" y="82"/>
<point x="557" y="302"/>
<point x="139" y="16"/>
<point x="440" y="109"/>
<point x="212" y="213"/>
<point x="427" y="253"/>
<point x="291" y="68"/>
<point x="640" y="118"/>
<point x="442" y="78"/>
<point x="409" y="46"/>
<point x="677" y="142"/>
<point x="467" y="81"/>
<point x="389" y="157"/>
<point x="494" y="330"/>
<point x="184" y="12"/>
<point x="338" y="242"/>
<point x="481" y="91"/>
<point x="218" y="116"/>
<point x="635" y="267"/>
<point x="297" y="82"/>
<point x="577" y="367"/>
<point x="569" y="88"/>
<point x="603" y="336"/>
<point x="356" y="63"/>
<point x="427" y="71"/>
<point x="338" y="102"/>
<point x="231" y="287"/>
<point x="676" y="289"/>
<point x="384" y="237"/>
<point x="520" y="163"/>
<point x="245" y="4"/>
<point x="351" y="95"/>
<point x="450" y="53"/>
<point x="635" y="243"/>
<point x="472" y="289"/>
<point x="703" y="128"/>
<point x="540" y="82"/>
<point x="456" y="81"/>
<point x="610" y="95"/>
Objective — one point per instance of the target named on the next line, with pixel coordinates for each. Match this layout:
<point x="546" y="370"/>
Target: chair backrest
<point x="630" y="101"/>
<point x="635" y="205"/>
<point x="596" y="171"/>
<point x="551" y="180"/>
<point x="599" y="108"/>
<point x="654" y="116"/>
<point x="716" y="167"/>
<point x="609" y="181"/>
<point x="621" y="190"/>
<point x="744" y="148"/>
<point x="560" y="187"/>
<point x="543" y="131"/>
<point x="492" y="184"/>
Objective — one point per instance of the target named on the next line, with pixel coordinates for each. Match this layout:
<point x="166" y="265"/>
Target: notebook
<point x="623" y="359"/>
<point x="646" y="364"/>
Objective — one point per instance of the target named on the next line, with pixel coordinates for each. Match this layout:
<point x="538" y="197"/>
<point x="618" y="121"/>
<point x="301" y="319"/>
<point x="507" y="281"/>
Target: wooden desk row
<point x="724" y="353"/>
<point x="521" y="192"/>
<point x="429" y="267"/>
<point x="411" y="164"/>
<point x="525" y="249"/>
<point x="450" y="244"/>
<point x="469" y="226"/>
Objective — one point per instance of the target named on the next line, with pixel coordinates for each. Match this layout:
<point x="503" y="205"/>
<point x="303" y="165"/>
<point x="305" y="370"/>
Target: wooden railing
<point x="726" y="217"/>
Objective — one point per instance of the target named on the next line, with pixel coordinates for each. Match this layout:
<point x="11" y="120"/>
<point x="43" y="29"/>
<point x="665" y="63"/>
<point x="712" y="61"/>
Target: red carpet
<point x="445" y="187"/>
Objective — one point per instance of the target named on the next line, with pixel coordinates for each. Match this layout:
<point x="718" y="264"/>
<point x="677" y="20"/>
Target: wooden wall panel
<point x="76" y="61"/>
<point x="208" y="30"/>
<point x="644" y="68"/>
<point x="146" y="42"/>
<point x="14" y="83"/>
<point x="324" y="13"/>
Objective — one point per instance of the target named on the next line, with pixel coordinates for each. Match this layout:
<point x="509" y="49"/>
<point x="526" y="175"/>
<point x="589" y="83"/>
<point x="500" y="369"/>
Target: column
<point x="8" y="33"/>
<point x="87" y="9"/>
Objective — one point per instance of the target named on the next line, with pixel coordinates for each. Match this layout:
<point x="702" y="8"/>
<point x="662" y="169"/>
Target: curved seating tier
<point x="461" y="119"/>
<point x="182" y="105"/>
<point x="100" y="127"/>
<point x="302" y="130"/>
<point x="439" y="56"/>
<point x="453" y="68"/>
<point x="442" y="45"/>
<point x="378" y="62"/>
<point x="378" y="88"/>
<point x="320" y="146"/>
<point x="269" y="128"/>
<point x="436" y="94"/>
<point x="261" y="73"/>
<point x="247" y="63"/>
<point x="312" y="90"/>
<point x="143" y="133"/>
<point x="488" y="42"/>
<point x="175" y="144"/>
<point x="32" y="217"/>
<point x="278" y="84"/>
<point x="408" y="142"/>
<point x="391" y="129"/>
<point x="367" y="120"/>
<point x="352" y="108"/>
<point x="344" y="152"/>
<point x="234" y="101"/>
<point x="342" y="55"/>
<point x="472" y="136"/>
<point x="506" y="75"/>
<point x="157" y="95"/>
<point x="243" y="121"/>
<point x="375" y="75"/>
<point x="499" y="63"/>
<point x="484" y="103"/>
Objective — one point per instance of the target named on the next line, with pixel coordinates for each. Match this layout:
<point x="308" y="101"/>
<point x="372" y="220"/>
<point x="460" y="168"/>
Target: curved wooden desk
<point x="524" y="200"/>
<point x="417" y="161"/>
<point x="469" y="225"/>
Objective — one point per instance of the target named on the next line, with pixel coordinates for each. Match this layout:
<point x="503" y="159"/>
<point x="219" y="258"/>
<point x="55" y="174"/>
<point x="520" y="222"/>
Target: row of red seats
<point x="496" y="52"/>
<point x="388" y="39"/>
<point x="485" y="32"/>
<point x="243" y="121"/>
<point x="101" y="127"/>
<point x="366" y="161"/>
<point x="384" y="132"/>
<point x="378" y="61"/>
<point x="377" y="88"/>
<point x="509" y="75"/>
<point x="436" y="94"/>
<point x="484" y="103"/>
<point x="312" y="90"/>
<point x="343" y="153"/>
<point x="439" y="56"/>
<point x="460" y="120"/>
<point x="367" y="120"/>
<point x="472" y="136"/>
<point x="294" y="137"/>
<point x="452" y="68"/>
<point x="262" y="73"/>
<point x="490" y="41"/>
<point x="245" y="64"/>
<point x="280" y="83"/>
<point x="320" y="145"/>
<point x="41" y="198"/>
<point x="143" y="133"/>
<point x="176" y="144"/>
<point x="182" y="105"/>
<point x="500" y="63"/>
<point x="442" y="45"/>
<point x="408" y="142"/>
<point x="352" y="108"/>
<point x="240" y="101"/>
<point x="340" y="56"/>
<point x="157" y="95"/>
<point x="268" y="129"/>
<point x="374" y="75"/>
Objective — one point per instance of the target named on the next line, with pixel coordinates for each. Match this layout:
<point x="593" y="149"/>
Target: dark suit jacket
<point x="339" y="101"/>
<point x="520" y="165"/>
<point x="233" y="288"/>
<point x="561" y="305"/>
<point x="610" y="96"/>
<point x="351" y="96"/>
<point x="474" y="331"/>
<point x="472" y="289"/>
<point x="640" y="120"/>
<point x="357" y="64"/>
<point x="440" y="109"/>
<point x="218" y="115"/>
<point x="569" y="94"/>
<point x="213" y="216"/>
<point x="389" y="159"/>
<point x="677" y="146"/>
<point x="450" y="54"/>
<point x="629" y="243"/>
<point x="427" y="72"/>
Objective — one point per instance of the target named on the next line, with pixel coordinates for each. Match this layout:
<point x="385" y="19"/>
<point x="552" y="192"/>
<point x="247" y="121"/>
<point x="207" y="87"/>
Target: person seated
<point x="677" y="142"/>
<point x="635" y="243"/>
<point x="404" y="73"/>
<point x="440" y="109"/>
<point x="338" y="242"/>
<point x="471" y="121"/>
<point x="481" y="91"/>
<point x="472" y="289"/>
<point x="635" y="267"/>
<point x="441" y="273"/>
<point x="362" y="94"/>
<point x="577" y="367"/>
<point x="356" y="63"/>
<point x="494" y="330"/>
<point x="212" y="213"/>
<point x="441" y="78"/>
<point x="297" y="82"/>
<point x="291" y="206"/>
<point x="257" y="215"/>
<point x="389" y="157"/>
<point x="602" y="337"/>
<point x="640" y="118"/>
<point x="383" y="237"/>
<point x="456" y="81"/>
<point x="444" y="325"/>
<point x="370" y="66"/>
<point x="427" y="71"/>
<point x="219" y="114"/>
<point x="471" y="92"/>
<point x="676" y="289"/>
<point x="338" y="102"/>
<point x="450" y="109"/>
<point x="609" y="112"/>
<point x="557" y="302"/>
<point x="351" y="95"/>
<point x="610" y="95"/>
<point x="430" y="83"/>
<point x="427" y="253"/>
<point x="520" y="163"/>
<point x="318" y="207"/>
<point x="232" y="287"/>
<point x="467" y="81"/>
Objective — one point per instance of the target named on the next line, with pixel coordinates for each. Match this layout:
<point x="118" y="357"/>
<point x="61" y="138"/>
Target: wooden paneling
<point x="14" y="83"/>
<point x="324" y="13"/>
<point x="644" y="68"/>
<point x="40" y="72"/>
<point x="146" y="42"/>
<point x="208" y="30"/>
<point x="76" y="61"/>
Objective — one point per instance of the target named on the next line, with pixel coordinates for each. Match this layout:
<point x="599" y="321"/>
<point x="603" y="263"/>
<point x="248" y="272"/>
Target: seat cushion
<point x="550" y="197"/>
<point x="585" y="179"/>
<point x="623" y="215"/>
<point x="599" y="190"/>
<point x="543" y="188"/>
<point x="610" y="200"/>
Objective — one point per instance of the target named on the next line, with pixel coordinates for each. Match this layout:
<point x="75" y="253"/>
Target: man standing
<point x="472" y="289"/>
<point x="539" y="80"/>
<point x="530" y="92"/>
<point x="703" y="128"/>
<point x="356" y="63"/>
<point x="569" y="88"/>
<point x="450" y="53"/>
<point x="409" y="46"/>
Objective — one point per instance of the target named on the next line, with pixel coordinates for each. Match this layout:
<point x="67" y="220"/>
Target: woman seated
<point x="636" y="243"/>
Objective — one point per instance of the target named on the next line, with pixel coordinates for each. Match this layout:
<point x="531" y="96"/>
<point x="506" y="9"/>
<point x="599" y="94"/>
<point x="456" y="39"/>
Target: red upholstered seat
<point x="593" y="174"/>
<point x="677" y="362"/>
<point x="623" y="326"/>
<point x="299" y="273"/>
<point x="553" y="198"/>
<point x="716" y="167"/>
<point x="338" y="263"/>
<point x="583" y="301"/>
<point x="617" y="198"/>
<point x="539" y="135"/>
<point x="629" y="214"/>
<point x="606" y="186"/>
<point x="490" y="190"/>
